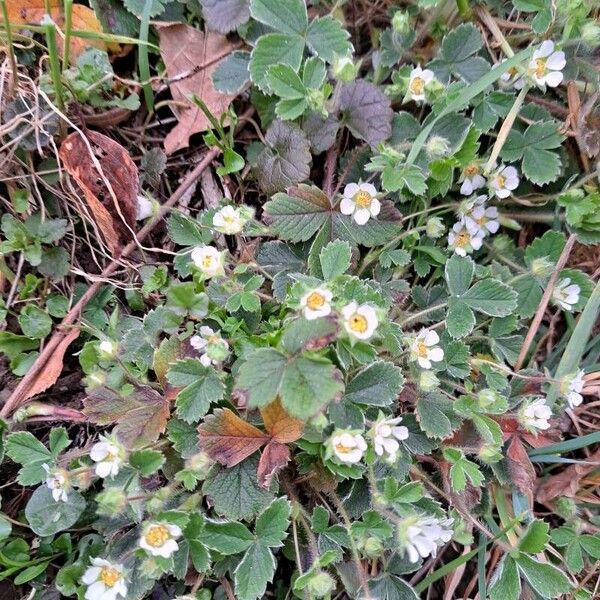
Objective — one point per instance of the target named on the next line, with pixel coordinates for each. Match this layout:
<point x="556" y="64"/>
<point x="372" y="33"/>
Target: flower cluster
<point x="212" y="347"/>
<point x="421" y="536"/>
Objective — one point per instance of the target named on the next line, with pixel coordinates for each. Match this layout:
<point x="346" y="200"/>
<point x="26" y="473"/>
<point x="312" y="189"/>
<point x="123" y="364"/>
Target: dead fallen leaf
<point x="50" y="372"/>
<point x="282" y="427"/>
<point x="228" y="439"/>
<point x="83" y="18"/>
<point x="114" y="219"/>
<point x="519" y="468"/>
<point x="139" y="417"/>
<point x="274" y="457"/>
<point x="191" y="56"/>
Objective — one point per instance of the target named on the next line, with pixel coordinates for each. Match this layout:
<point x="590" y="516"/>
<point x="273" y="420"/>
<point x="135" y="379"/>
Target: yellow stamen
<point x="462" y="239"/>
<point x="358" y="323"/>
<point x="417" y="85"/>
<point x="315" y="301"/>
<point x="341" y="449"/>
<point x="207" y="262"/>
<point x="501" y="181"/>
<point x="421" y="350"/>
<point x="157" y="536"/>
<point x="109" y="576"/>
<point x="363" y="199"/>
<point x="540" y="67"/>
<point x="471" y="170"/>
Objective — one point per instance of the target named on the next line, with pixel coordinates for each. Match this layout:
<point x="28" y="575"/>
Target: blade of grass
<point x="481" y="560"/>
<point x="68" y="10"/>
<point x="10" y="50"/>
<point x="568" y="446"/>
<point x="144" y="63"/>
<point x="561" y="460"/>
<point x="574" y="351"/>
<point x="55" y="72"/>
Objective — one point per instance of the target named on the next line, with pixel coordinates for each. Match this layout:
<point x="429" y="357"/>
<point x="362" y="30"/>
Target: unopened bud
<point x="112" y="501"/>
<point x="435" y="227"/>
<point x="437" y="146"/>
<point x="320" y="585"/>
<point x="345" y="68"/>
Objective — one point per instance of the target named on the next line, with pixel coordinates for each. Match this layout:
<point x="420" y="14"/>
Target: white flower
<point x="348" y="447"/>
<point x="535" y="415"/>
<point x="58" y="482"/>
<point x="419" y="78"/>
<point x="504" y="181"/>
<point x="572" y="387"/>
<point x="473" y="179"/>
<point x="513" y="77"/>
<point x="425" y="350"/>
<point x="546" y="65"/>
<point x="108" y="348"/>
<point x="386" y="434"/>
<point x="566" y="294"/>
<point x="316" y="303"/>
<point x="209" y="260"/>
<point x="422" y="537"/>
<point x="214" y="346"/>
<point x="104" y="580"/>
<point x="108" y="455"/>
<point x="482" y="221"/>
<point x="228" y="220"/>
<point x="360" y="321"/>
<point x="144" y="208"/>
<point x="359" y="200"/>
<point x="462" y="241"/>
<point x="159" y="539"/>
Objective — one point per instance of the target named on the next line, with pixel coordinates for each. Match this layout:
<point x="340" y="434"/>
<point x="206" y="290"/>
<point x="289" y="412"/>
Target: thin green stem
<point x="55" y="72"/>
<point x="144" y="63"/>
<point x="10" y="50"/>
<point x="464" y="10"/>
<point x="422" y="313"/>
<point x="68" y="10"/>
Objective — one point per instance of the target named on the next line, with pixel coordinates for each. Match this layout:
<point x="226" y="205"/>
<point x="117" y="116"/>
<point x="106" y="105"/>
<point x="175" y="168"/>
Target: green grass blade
<point x="568" y="446"/>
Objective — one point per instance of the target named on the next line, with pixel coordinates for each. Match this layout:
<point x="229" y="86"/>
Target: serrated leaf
<point x="544" y="578"/>
<point x="225" y="15"/>
<point x="541" y="166"/>
<point x="234" y="492"/>
<point x="252" y="574"/>
<point x="286" y="160"/>
<point x="366" y="111"/>
<point x="24" y="448"/>
<point x="287" y="17"/>
<point x="280" y="425"/>
<point x="459" y="274"/>
<point x="232" y="73"/>
<point x="273" y="49"/>
<point x="335" y="259"/>
<point x="226" y="538"/>
<point x="138" y="7"/>
<point x="327" y="38"/>
<point x="505" y="583"/>
<point x="315" y="334"/>
<point x="271" y="525"/>
<point x="379" y="384"/>
<point x="285" y="82"/>
<point x="390" y="587"/>
<point x="321" y="132"/>
<point x="536" y="537"/>
<point x="47" y="517"/>
<point x="259" y="378"/>
<point x="146" y="461"/>
<point x="435" y="416"/>
<point x="491" y="297"/>
<point x="460" y="319"/>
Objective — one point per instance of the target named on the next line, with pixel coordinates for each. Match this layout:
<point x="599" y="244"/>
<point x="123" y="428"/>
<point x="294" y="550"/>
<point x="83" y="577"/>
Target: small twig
<point x="330" y="164"/>
<point x="227" y="588"/>
<point x="539" y="315"/>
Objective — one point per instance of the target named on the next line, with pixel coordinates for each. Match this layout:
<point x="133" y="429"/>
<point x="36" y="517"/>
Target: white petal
<point x="369" y="188"/>
<point x="435" y="354"/>
<point x="466" y="189"/>
<point x="375" y="207"/>
<point x="99" y="451"/>
<point x="351" y="189"/>
<point x="545" y="49"/>
<point x="361" y="216"/>
<point x="90" y="575"/>
<point x="430" y="337"/>
<point x="424" y="362"/>
<point x="427" y="76"/>
<point x="476" y="242"/>
<point x="502" y="193"/>
<point x="205" y="360"/>
<point x="349" y="309"/>
<point x="413" y="555"/>
<point x="347" y="206"/>
<point x="554" y="78"/>
<point x="103" y="469"/>
<point x="401" y="432"/>
<point x="477" y="182"/>
<point x="493" y="226"/>
<point x="96" y="591"/>
<point x="556" y="61"/>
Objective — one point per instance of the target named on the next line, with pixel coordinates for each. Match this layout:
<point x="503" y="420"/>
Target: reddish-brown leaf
<point x="114" y="213"/>
<point x="228" y="439"/>
<point x="519" y="467"/>
<point x="281" y="426"/>
<point x="191" y="56"/>
<point x="274" y="457"/>
<point x="139" y="418"/>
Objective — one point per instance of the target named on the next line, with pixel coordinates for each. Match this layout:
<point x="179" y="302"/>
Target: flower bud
<point x="428" y="380"/>
<point x="435" y="227"/>
<point x="96" y="379"/>
<point x="199" y="463"/>
<point x="437" y="147"/>
<point x="112" y="501"/>
<point x="108" y="349"/>
<point x="372" y="547"/>
<point x="566" y="508"/>
<point x="401" y="22"/>
<point x="590" y="34"/>
<point x="434" y="89"/>
<point x="345" y="68"/>
<point x="541" y="267"/>
<point x="320" y="585"/>
<point x="489" y="454"/>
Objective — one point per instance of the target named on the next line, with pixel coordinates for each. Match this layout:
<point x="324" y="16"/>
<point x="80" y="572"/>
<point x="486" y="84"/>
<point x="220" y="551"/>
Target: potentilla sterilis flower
<point x="360" y="321"/>
<point x="420" y="537"/>
<point x="482" y="220"/>
<point x="58" y="482"/>
<point x="419" y="78"/>
<point x="387" y="434"/>
<point x="566" y="294"/>
<point x="504" y="181"/>
<point x="547" y="64"/>
<point x="535" y="414"/>
<point x="209" y="260"/>
<point x="425" y="350"/>
<point x="462" y="241"/>
<point x="213" y="347"/>
<point x="108" y="456"/>
<point x="347" y="446"/>
<point x="513" y="77"/>
<point x="473" y="179"/>
<point x="316" y="303"/>
<point x="228" y="220"/>
<point x="159" y="539"/>
<point x="571" y="388"/>
<point x="104" y="580"/>
<point x="360" y="201"/>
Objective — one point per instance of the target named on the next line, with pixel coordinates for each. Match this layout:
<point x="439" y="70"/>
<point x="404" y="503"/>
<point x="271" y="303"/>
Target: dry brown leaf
<point x="83" y="18"/>
<point x="114" y="219"/>
<point x="50" y="372"/>
<point x="519" y="467"/>
<point x="282" y="427"/>
<point x="274" y="457"/>
<point x="191" y="56"/>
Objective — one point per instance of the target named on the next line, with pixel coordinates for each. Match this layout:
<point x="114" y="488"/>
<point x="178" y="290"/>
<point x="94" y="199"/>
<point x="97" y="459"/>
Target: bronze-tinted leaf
<point x="274" y="457"/>
<point x="282" y="427"/>
<point x="519" y="467"/>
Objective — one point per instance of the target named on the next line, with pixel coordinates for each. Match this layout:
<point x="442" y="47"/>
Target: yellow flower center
<point x="363" y="199"/>
<point x="421" y="350"/>
<point x="212" y="339"/>
<point x="471" y="170"/>
<point x="109" y="576"/>
<point x="341" y="449"/>
<point x="157" y="536"/>
<point x="417" y="85"/>
<point x="462" y="239"/>
<point x="207" y="262"/>
<point x="358" y="323"/>
<point x="540" y="67"/>
<point x="315" y="301"/>
<point x="482" y="220"/>
<point x="501" y="181"/>
<point x="229" y="219"/>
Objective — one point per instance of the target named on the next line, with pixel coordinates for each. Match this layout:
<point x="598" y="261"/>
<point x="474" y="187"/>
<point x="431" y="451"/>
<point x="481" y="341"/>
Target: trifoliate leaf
<point x="546" y="579"/>
<point x="24" y="448"/>
<point x="272" y="524"/>
<point x="226" y="538"/>
<point x="459" y="274"/>
<point x="435" y="415"/>
<point x="252" y="574"/>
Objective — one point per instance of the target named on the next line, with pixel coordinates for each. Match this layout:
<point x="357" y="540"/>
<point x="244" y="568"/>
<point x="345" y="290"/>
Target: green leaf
<point x="252" y="574"/>
<point x="235" y="492"/>
<point x="301" y="334"/>
<point x="201" y="384"/>
<point x="183" y="299"/>
<point x="24" y="448"/>
<point x="146" y="462"/>
<point x="185" y="231"/>
<point x="379" y="384"/>
<point x="285" y="82"/>
<point x="47" y="517"/>
<point x="435" y="415"/>
<point x="506" y="583"/>
<point x="260" y="376"/>
<point x="30" y="573"/>
<point x="225" y="15"/>
<point x="12" y="344"/>
<point x="232" y="73"/>
<point x="227" y="538"/>
<point x="536" y="537"/>
<point x="327" y="38"/>
<point x="460" y="319"/>
<point x="390" y="587"/>
<point x="273" y="49"/>
<point x="286" y="17"/>
<point x="272" y="524"/>
<point x="491" y="297"/>
<point x="541" y="166"/>
<point x="547" y="580"/>
<point x="58" y="440"/>
<point x="459" y="274"/>
<point x="335" y="259"/>
<point x="35" y="323"/>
